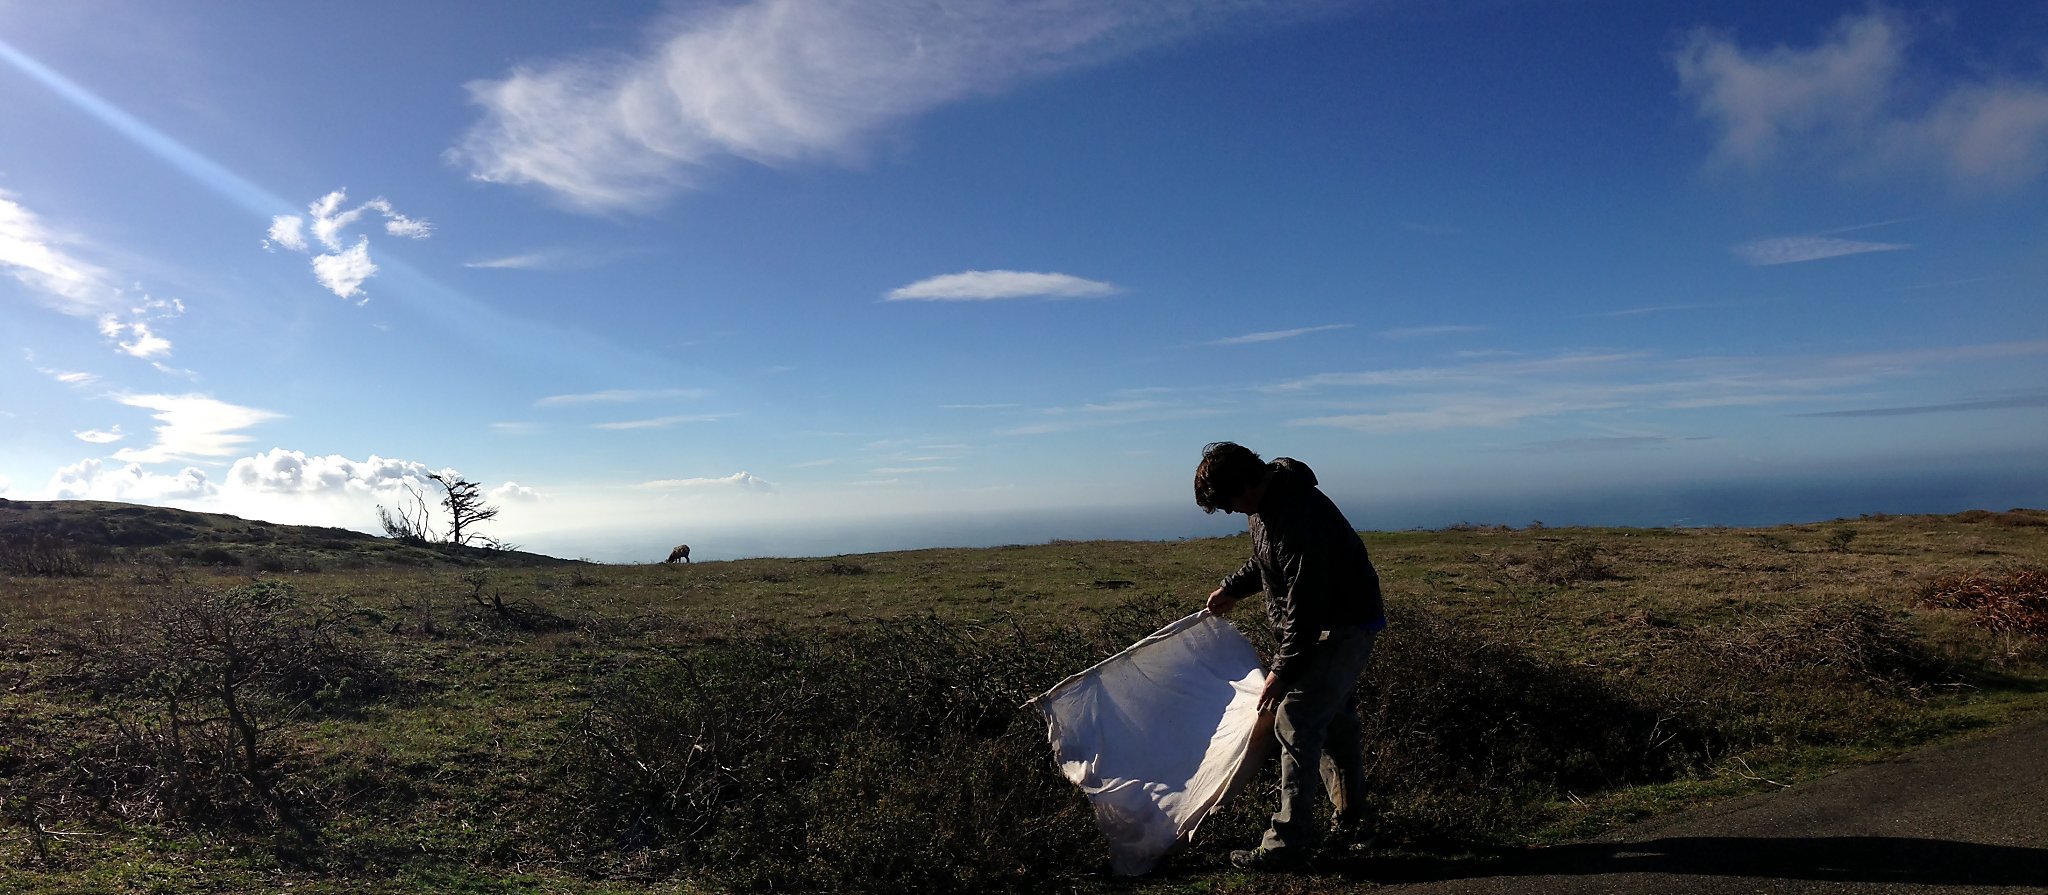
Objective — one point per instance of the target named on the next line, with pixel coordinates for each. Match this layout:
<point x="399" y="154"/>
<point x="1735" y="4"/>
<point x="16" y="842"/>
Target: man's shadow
<point x="1863" y="859"/>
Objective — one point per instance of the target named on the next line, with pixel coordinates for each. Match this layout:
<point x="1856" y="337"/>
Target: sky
<point x="809" y="277"/>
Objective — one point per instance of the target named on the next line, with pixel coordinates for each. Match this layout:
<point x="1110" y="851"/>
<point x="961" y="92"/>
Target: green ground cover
<point x="378" y="719"/>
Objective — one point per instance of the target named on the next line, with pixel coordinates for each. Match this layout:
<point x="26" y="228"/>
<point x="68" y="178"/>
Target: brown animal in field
<point x="682" y="552"/>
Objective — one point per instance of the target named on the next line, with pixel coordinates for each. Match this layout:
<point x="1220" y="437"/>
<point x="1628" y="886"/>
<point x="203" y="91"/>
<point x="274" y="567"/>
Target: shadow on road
<point x="1868" y="859"/>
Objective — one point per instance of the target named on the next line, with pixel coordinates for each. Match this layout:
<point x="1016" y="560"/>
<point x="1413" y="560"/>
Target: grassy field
<point x="202" y="704"/>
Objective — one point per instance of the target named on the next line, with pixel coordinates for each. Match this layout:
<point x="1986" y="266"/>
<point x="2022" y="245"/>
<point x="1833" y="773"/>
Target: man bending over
<point x="1323" y="600"/>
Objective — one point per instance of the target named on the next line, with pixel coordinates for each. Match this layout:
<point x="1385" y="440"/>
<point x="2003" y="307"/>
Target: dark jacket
<point x="1310" y="562"/>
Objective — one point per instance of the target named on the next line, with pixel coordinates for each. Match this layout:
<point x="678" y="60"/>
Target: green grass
<point x="1539" y="685"/>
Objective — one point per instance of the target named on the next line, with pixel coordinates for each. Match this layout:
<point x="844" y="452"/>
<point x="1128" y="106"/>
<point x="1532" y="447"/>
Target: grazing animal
<point x="682" y="552"/>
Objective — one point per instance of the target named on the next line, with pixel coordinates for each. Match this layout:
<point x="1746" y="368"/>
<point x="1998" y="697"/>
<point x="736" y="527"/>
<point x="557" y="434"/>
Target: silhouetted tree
<point x="465" y="505"/>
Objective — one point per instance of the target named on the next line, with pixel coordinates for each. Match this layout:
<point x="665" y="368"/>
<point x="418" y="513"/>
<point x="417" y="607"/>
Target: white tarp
<point x="1161" y="734"/>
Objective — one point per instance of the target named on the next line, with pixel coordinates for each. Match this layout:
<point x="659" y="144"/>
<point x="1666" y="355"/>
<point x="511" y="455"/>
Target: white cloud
<point x="94" y="480"/>
<point x="1424" y="332"/>
<point x="279" y="471"/>
<point x="620" y="396"/>
<point x="1794" y="249"/>
<point x="96" y="436"/>
<point x="788" y="81"/>
<point x="1854" y="101"/>
<point x="70" y="377"/>
<point x="661" y="422"/>
<point x="340" y="270"/>
<point x="1503" y="393"/>
<point x="986" y="285"/>
<point x="133" y="333"/>
<point x="739" y="481"/>
<point x="513" y="492"/>
<point x="408" y="228"/>
<point x="1124" y="411"/>
<point x="33" y="254"/>
<point x="343" y="272"/>
<point x="192" y="426"/>
<point x="1277" y="335"/>
<point x="558" y="259"/>
<point x="288" y="230"/>
<point x="135" y="339"/>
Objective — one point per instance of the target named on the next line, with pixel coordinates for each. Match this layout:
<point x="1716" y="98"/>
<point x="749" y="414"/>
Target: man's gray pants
<point x="1317" y="725"/>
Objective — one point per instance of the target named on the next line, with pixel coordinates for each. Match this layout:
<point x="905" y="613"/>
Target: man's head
<point x="1228" y="472"/>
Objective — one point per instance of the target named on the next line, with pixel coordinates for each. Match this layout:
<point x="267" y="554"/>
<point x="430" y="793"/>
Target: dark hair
<point x="1227" y="469"/>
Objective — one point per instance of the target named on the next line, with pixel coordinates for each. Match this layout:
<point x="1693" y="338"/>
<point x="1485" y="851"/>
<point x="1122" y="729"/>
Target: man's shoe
<point x="1268" y="858"/>
<point x="1352" y="836"/>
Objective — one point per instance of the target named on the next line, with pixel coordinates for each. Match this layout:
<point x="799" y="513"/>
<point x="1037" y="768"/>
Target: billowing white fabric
<point x="1160" y="735"/>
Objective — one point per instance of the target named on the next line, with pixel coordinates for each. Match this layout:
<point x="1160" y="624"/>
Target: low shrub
<point x="48" y="554"/>
<point x="895" y="756"/>
<point x="2013" y="602"/>
<point x="193" y="689"/>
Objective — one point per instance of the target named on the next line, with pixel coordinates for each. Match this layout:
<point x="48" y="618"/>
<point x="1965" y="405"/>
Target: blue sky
<point x="812" y="276"/>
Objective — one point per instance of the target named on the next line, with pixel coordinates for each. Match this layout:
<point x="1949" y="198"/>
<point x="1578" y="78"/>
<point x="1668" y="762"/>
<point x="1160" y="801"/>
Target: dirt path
<point x="1966" y="817"/>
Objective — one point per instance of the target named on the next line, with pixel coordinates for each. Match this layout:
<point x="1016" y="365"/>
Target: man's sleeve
<point x="1245" y="581"/>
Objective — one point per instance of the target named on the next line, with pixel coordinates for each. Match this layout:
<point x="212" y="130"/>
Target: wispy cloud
<point x="793" y="81"/>
<point x="989" y="285"/>
<point x="340" y="267"/>
<point x="34" y="254"/>
<point x="1278" y="334"/>
<point x="40" y="258"/>
<point x="1118" y="412"/>
<point x="550" y="259"/>
<point x="661" y="422"/>
<point x="1795" y="249"/>
<point x="191" y="427"/>
<point x="1504" y="393"/>
<point x="1431" y="229"/>
<point x="1597" y="443"/>
<point x="910" y="470"/>
<point x="1653" y="309"/>
<point x="1480" y="372"/>
<point x="1424" y="332"/>
<point x="620" y="396"/>
<point x="97" y="436"/>
<point x="71" y="377"/>
<point x="1846" y="101"/>
<point x="738" y="481"/>
<point x="1951" y="407"/>
<point x="1469" y="412"/>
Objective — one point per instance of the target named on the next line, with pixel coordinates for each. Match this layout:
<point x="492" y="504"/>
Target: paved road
<point x="1966" y="817"/>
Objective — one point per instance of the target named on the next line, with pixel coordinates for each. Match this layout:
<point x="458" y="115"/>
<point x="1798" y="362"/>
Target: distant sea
<point x="1758" y="502"/>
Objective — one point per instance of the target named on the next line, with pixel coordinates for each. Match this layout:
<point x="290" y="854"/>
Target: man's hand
<point x="1220" y="603"/>
<point x="1270" y="697"/>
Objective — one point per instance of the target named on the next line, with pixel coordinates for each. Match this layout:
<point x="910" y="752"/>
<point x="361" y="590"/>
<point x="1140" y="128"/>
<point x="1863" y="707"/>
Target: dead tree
<point x="464" y="502"/>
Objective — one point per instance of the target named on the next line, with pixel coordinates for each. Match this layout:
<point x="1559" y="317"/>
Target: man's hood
<point x="1291" y="473"/>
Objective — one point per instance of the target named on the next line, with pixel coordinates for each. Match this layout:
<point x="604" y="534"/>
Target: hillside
<point x="92" y="531"/>
<point x="853" y="723"/>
